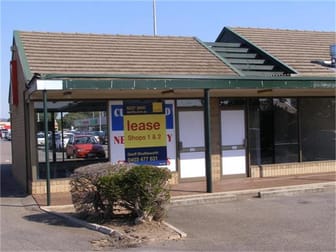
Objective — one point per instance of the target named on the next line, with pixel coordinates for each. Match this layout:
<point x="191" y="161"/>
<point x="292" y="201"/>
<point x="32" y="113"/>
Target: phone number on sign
<point x="142" y="159"/>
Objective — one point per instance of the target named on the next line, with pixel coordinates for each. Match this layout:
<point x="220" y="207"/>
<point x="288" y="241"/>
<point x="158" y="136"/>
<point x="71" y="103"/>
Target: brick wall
<point x="56" y="185"/>
<point x="63" y="185"/>
<point x="275" y="170"/>
<point x="18" y="130"/>
<point x="174" y="179"/>
<point x="215" y="140"/>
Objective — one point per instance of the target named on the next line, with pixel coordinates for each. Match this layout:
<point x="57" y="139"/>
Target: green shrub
<point x="145" y="191"/>
<point x="86" y="195"/>
<point x="99" y="190"/>
<point x="109" y="189"/>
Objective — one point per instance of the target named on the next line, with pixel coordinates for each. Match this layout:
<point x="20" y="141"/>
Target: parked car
<point x="66" y="138"/>
<point x="9" y="136"/>
<point x="60" y="143"/>
<point x="84" y="146"/>
<point x="99" y="135"/>
<point x="3" y="133"/>
<point x="40" y="138"/>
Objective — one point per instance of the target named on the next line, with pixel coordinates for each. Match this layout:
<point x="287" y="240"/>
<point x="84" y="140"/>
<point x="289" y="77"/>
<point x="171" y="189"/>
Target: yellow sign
<point x="157" y="107"/>
<point x="146" y="130"/>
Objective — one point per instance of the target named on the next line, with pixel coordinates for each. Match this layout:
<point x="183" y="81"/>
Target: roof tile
<point x="295" y="48"/>
<point x="75" y="53"/>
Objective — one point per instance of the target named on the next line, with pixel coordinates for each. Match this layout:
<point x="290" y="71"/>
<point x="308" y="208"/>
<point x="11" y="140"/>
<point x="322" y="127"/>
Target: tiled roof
<point x="296" y="49"/>
<point x="74" y="53"/>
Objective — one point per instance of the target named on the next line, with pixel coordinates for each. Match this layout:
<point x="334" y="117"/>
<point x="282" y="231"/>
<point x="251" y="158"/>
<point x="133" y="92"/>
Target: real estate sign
<point x="143" y="132"/>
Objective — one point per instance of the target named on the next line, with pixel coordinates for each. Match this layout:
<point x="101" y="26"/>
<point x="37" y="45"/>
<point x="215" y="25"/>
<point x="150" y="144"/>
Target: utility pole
<point x="154" y="17"/>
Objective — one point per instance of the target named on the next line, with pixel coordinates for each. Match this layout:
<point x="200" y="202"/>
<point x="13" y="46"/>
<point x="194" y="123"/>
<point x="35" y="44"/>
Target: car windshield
<point x="85" y="140"/>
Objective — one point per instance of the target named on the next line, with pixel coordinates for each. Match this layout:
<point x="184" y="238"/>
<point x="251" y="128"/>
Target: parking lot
<point x="302" y="222"/>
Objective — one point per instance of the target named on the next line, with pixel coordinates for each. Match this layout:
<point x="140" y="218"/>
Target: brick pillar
<point x="215" y="139"/>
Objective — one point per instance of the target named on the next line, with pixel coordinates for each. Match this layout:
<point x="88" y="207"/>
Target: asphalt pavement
<point x="295" y="218"/>
<point x="25" y="227"/>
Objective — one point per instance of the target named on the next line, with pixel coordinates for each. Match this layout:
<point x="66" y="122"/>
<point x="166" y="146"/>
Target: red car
<point x="84" y="146"/>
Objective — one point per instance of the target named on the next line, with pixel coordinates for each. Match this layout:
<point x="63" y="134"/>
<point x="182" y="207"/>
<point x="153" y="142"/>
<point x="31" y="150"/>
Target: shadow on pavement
<point x="11" y="189"/>
<point x="50" y="219"/>
<point x="9" y="186"/>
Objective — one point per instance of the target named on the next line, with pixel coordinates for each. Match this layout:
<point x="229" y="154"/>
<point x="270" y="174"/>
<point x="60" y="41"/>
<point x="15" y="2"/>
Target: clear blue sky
<point x="203" y="19"/>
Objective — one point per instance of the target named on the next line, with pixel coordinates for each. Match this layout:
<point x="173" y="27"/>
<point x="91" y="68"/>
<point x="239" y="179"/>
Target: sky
<point x="202" y="19"/>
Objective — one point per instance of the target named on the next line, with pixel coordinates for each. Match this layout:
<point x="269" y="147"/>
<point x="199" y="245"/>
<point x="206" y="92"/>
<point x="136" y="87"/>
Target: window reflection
<point x="273" y="130"/>
<point x="66" y="119"/>
<point x="318" y="129"/>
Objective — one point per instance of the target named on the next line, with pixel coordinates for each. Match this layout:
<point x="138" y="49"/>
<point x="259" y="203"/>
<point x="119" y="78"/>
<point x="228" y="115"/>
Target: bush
<point x="146" y="191"/>
<point x="86" y="196"/>
<point x="100" y="189"/>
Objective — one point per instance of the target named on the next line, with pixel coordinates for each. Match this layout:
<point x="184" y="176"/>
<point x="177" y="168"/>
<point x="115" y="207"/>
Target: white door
<point x="233" y="142"/>
<point x="191" y="144"/>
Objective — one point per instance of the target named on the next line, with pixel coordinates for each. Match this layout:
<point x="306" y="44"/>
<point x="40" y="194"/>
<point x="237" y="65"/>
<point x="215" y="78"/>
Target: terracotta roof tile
<point x="75" y="53"/>
<point x="295" y="48"/>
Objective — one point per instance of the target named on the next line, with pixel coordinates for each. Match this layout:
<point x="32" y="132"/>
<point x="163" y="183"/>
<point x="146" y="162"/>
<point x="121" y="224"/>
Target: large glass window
<point x="69" y="120"/>
<point x="318" y="128"/>
<point x="286" y="147"/>
<point x="273" y="130"/>
<point x="254" y="131"/>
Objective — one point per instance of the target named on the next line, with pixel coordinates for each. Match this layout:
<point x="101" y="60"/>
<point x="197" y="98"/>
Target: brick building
<point x="255" y="103"/>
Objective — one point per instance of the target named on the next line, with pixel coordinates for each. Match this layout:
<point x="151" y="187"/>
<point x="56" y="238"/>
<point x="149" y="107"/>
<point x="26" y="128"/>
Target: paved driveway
<point x="305" y="222"/>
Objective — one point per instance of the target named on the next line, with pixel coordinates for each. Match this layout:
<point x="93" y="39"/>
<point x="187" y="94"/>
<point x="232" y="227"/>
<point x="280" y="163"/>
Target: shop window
<point x="273" y="130"/>
<point x="318" y="128"/>
<point x="285" y="120"/>
<point x="65" y="120"/>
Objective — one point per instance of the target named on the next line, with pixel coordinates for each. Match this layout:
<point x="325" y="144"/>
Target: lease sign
<point x="145" y="133"/>
<point x="145" y="130"/>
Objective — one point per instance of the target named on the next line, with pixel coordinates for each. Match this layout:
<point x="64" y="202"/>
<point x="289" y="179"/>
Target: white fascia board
<point x="49" y="84"/>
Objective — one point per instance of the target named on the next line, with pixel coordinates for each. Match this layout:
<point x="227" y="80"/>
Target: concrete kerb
<point x="92" y="226"/>
<point x="63" y="212"/>
<point x="250" y="193"/>
<point x="203" y="198"/>
<point x="292" y="190"/>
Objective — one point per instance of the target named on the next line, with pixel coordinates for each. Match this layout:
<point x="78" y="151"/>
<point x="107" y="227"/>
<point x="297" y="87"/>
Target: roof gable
<point x="247" y="59"/>
<point x="297" y="49"/>
<point x="98" y="54"/>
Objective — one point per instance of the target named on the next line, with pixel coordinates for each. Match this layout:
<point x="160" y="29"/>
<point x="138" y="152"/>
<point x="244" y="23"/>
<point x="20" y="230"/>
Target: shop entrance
<point x="191" y="144"/>
<point x="233" y="142"/>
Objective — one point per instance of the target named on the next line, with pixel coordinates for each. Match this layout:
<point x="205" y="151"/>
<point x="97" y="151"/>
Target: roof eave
<point x="17" y="43"/>
<point x="153" y="82"/>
